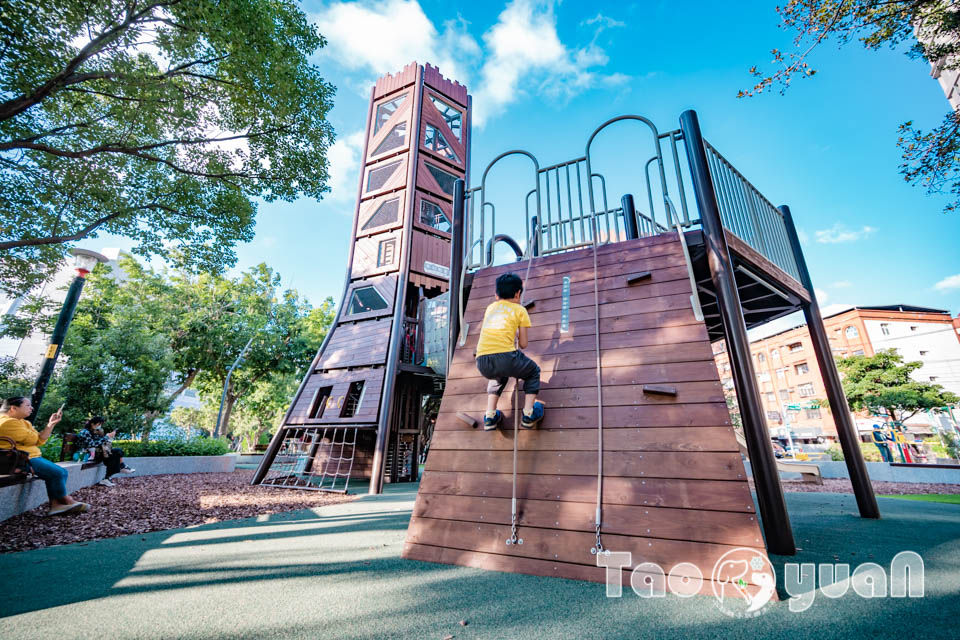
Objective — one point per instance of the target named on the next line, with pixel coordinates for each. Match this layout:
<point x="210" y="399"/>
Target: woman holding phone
<point x="14" y="425"/>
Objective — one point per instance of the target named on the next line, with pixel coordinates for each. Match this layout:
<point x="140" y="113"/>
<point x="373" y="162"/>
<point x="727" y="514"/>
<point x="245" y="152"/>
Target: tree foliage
<point x="883" y="383"/>
<point x="158" y="120"/>
<point x="932" y="29"/>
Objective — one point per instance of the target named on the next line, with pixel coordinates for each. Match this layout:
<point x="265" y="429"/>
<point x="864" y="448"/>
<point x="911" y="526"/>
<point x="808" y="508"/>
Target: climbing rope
<point x="513" y="539"/>
<point x="598" y="548"/>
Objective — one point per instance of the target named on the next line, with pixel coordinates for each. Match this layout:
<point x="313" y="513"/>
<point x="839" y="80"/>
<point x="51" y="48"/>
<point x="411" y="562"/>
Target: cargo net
<point x="315" y="458"/>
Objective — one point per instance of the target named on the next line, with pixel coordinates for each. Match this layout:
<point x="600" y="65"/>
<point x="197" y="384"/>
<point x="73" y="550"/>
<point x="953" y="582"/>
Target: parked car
<point x="778" y="450"/>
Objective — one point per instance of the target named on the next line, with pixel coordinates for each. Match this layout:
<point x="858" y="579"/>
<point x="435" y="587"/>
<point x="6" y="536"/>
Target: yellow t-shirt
<point x="499" y="331"/>
<point x="23" y="433"/>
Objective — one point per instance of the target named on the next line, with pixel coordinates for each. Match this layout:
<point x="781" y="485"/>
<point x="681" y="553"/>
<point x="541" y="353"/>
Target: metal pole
<point x="846" y="430"/>
<point x="56" y="341"/>
<point x="226" y="384"/>
<point x="456" y="268"/>
<point x="773" y="508"/>
<point x="629" y="217"/>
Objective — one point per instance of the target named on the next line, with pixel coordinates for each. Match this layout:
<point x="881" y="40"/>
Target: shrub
<point x="193" y="447"/>
<point x="51" y="450"/>
<point x="835" y="453"/>
<point x="871" y="453"/>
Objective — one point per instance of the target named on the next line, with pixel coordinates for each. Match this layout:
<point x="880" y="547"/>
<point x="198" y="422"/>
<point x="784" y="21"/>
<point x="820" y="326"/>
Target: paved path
<point x="336" y="573"/>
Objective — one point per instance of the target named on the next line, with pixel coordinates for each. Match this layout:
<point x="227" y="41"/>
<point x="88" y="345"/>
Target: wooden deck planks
<point x="675" y="488"/>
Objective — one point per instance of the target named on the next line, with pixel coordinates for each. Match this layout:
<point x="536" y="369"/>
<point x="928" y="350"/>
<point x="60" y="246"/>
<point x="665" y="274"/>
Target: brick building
<point x="789" y="377"/>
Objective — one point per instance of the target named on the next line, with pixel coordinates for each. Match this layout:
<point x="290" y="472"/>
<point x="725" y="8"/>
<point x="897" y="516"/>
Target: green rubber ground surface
<point x="949" y="498"/>
<point x="336" y="573"/>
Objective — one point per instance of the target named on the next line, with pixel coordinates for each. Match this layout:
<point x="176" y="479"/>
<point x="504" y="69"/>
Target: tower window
<point x="353" y="400"/>
<point x="435" y="141"/>
<point x="396" y="138"/>
<point x="386" y="213"/>
<point x="444" y="179"/>
<point x="852" y="332"/>
<point x="366" y="299"/>
<point x="451" y="116"/>
<point x="319" y="402"/>
<point x="385" y="110"/>
<point x="379" y="176"/>
<point x="432" y="215"/>
<point x="386" y="251"/>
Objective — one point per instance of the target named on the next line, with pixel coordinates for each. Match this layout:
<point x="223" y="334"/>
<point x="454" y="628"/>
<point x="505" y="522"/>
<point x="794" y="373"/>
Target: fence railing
<point x="560" y="208"/>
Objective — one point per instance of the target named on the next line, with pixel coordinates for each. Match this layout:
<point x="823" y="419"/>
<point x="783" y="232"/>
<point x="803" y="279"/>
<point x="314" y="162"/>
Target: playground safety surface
<point x="336" y="572"/>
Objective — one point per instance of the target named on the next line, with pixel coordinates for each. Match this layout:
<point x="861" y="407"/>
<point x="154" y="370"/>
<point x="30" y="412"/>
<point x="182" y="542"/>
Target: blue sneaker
<point x="531" y="421"/>
<point x="490" y="424"/>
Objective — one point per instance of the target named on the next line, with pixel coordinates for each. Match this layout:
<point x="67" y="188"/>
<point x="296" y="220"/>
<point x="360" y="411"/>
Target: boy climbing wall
<point x="504" y="327"/>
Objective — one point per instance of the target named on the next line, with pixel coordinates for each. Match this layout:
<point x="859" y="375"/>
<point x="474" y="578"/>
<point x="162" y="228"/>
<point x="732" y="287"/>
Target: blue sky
<point x="544" y="75"/>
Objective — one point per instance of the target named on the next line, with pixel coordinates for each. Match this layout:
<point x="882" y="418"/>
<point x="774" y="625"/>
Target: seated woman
<point x="13" y="424"/>
<point x="93" y="437"/>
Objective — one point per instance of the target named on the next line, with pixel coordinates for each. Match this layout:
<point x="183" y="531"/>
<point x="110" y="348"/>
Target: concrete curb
<point x="880" y="472"/>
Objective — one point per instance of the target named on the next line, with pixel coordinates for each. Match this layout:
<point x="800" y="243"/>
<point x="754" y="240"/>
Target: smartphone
<point x="60" y="410"/>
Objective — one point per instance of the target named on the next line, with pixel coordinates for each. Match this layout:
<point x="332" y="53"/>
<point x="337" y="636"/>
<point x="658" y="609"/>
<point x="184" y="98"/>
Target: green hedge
<point x="194" y="447"/>
<point x="51" y="449"/>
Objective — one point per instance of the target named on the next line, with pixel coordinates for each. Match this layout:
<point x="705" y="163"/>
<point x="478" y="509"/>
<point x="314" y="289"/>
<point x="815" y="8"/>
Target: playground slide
<point x="809" y="472"/>
<point x="674" y="486"/>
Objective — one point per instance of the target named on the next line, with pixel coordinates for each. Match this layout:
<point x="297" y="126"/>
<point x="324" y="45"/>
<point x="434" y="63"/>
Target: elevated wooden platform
<point x="675" y="489"/>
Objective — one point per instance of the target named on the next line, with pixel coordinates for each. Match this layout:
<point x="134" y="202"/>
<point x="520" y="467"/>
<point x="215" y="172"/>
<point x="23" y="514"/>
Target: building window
<point x="444" y="179"/>
<point x="385" y="110"/>
<point x="852" y="332"/>
<point x="451" y="116"/>
<point x="763" y="377"/>
<point x="782" y="374"/>
<point x="801" y="368"/>
<point x="366" y="299"/>
<point x="805" y="390"/>
<point x="771" y="398"/>
<point x="858" y="352"/>
<point x="435" y="141"/>
<point x="319" y="403"/>
<point x="761" y="357"/>
<point x="913" y="327"/>
<point x="923" y="353"/>
<point x="353" y="400"/>
<point x="386" y="213"/>
<point x="796" y="346"/>
<point x="726" y="366"/>
<point x="379" y="176"/>
<point x="776" y="354"/>
<point x="433" y="216"/>
<point x="395" y="139"/>
<point x="885" y="328"/>
<point x="784" y="395"/>
<point x="386" y="252"/>
<point x="812" y="414"/>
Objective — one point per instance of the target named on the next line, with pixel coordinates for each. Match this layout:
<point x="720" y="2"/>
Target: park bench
<point x="67" y="450"/>
<point x="808" y="472"/>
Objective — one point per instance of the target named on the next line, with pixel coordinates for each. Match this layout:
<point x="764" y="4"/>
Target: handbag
<point x="13" y="461"/>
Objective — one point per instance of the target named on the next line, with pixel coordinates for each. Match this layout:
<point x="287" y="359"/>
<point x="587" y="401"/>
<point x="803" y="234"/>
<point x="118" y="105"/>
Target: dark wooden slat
<point x="698" y="466"/>
<point x="721" y="527"/>
<point x="689" y="415"/>
<point x="637" y="278"/>
<point x="718" y="495"/>
<point x="625" y="395"/>
<point x="645" y="439"/>
<point x="661" y="389"/>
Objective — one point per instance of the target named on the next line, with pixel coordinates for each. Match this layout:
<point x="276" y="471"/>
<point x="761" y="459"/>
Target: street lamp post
<point x="84" y="262"/>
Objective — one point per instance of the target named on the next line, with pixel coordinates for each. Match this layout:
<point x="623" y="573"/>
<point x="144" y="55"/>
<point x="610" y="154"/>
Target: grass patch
<point x="949" y="498"/>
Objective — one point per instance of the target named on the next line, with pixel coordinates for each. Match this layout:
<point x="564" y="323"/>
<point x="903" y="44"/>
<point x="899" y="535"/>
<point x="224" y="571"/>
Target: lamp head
<point x="84" y="260"/>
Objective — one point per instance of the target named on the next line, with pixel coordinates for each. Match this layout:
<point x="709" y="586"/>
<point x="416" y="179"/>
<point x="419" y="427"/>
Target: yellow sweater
<point x="27" y="438"/>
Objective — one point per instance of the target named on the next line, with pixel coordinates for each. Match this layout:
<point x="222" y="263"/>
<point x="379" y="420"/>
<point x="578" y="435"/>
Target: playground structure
<point x="637" y="452"/>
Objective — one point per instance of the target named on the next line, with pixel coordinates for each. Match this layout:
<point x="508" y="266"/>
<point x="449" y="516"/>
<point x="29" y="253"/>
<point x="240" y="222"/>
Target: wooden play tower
<point x="360" y="410"/>
<point x="637" y="451"/>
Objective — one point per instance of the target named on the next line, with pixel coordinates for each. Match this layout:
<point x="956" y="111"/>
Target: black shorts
<point x="500" y="367"/>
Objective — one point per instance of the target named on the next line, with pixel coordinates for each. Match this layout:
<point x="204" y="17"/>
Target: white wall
<point x="938" y="340"/>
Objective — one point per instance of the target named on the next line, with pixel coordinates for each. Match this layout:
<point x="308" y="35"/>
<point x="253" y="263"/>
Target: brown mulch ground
<point x="156" y="503"/>
<point x="833" y="485"/>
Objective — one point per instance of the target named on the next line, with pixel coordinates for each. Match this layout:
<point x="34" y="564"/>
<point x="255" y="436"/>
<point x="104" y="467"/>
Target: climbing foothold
<point x="467" y="418"/>
<point x="639" y="277"/>
<point x="529" y="304"/>
<point x="519" y="540"/>
<point x="509" y="542"/>
<point x="660" y="389"/>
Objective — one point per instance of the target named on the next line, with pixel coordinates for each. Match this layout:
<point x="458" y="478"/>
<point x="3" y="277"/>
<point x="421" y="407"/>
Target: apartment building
<point x="789" y="378"/>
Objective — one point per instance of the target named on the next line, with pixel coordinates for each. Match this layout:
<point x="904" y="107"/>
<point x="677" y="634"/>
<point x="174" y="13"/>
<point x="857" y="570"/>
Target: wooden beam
<point x="638" y="277"/>
<point x="660" y="389"/>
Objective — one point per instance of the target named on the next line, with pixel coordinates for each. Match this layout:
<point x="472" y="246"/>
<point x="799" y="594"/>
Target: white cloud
<point x="802" y="236"/>
<point x="822" y="296"/>
<point x="842" y="284"/>
<point x="950" y="282"/>
<point x="839" y="233"/>
<point x="522" y="49"/>
<point x="524" y="45"/>
<point x="344" y="158"/>
<point x="383" y="36"/>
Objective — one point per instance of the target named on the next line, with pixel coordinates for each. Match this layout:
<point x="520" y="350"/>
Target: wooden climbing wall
<point x="675" y="489"/>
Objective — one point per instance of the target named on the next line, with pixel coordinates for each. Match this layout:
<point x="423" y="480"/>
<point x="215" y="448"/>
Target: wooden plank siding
<point x="339" y="380"/>
<point x="675" y="489"/>
<point x="357" y="344"/>
<point x="428" y="248"/>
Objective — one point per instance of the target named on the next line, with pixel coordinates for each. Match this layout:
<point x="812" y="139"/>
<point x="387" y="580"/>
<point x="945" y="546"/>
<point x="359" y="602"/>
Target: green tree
<point x="932" y="27"/>
<point x="159" y="120"/>
<point x="883" y="383"/>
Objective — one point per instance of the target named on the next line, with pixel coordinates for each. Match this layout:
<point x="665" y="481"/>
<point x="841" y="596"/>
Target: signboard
<point x="436" y="269"/>
<point x="773" y="416"/>
<point x="793" y="407"/>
